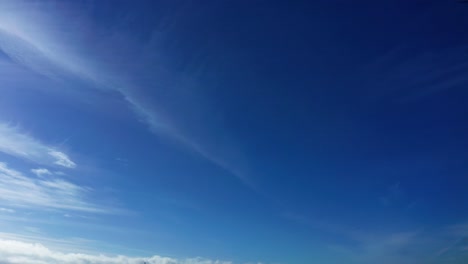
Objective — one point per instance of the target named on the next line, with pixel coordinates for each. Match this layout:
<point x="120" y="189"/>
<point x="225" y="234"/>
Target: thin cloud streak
<point x="410" y="75"/>
<point x="19" y="190"/>
<point x="15" y="143"/>
<point x="420" y="245"/>
<point x="7" y="210"/>
<point x="62" y="159"/>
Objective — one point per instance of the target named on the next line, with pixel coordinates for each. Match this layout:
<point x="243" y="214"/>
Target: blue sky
<point x="190" y="132"/>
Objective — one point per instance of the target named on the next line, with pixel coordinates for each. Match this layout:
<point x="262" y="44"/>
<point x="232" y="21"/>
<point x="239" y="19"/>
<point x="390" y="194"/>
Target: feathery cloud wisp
<point x="19" y="190"/>
<point x="62" y="159"/>
<point x="15" y="143"/>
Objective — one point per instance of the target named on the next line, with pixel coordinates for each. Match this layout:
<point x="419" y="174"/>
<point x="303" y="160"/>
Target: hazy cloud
<point x="41" y="171"/>
<point x="7" y="210"/>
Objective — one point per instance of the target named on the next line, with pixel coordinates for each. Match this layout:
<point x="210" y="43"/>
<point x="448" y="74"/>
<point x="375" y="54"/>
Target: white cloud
<point x="15" y="143"/>
<point x="18" y="252"/>
<point x="41" y="171"/>
<point x="7" y="210"/>
<point x="21" y="191"/>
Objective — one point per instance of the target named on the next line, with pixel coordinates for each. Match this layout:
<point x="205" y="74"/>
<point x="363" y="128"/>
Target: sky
<point x="233" y="132"/>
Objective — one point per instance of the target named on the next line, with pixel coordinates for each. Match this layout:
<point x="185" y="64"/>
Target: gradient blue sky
<point x="209" y="132"/>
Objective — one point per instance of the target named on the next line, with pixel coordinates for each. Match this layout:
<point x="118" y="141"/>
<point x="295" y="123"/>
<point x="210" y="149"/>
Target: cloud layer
<point x="17" y="252"/>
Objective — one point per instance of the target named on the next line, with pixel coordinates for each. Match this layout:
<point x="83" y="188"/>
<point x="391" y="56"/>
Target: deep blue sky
<point x="243" y="131"/>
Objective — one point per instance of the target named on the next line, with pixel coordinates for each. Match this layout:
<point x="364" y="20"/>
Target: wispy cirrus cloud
<point x="18" y="190"/>
<point x="409" y="73"/>
<point x="62" y="159"/>
<point x="361" y="245"/>
<point x="18" y="144"/>
<point x="41" y="47"/>
<point x="15" y="252"/>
